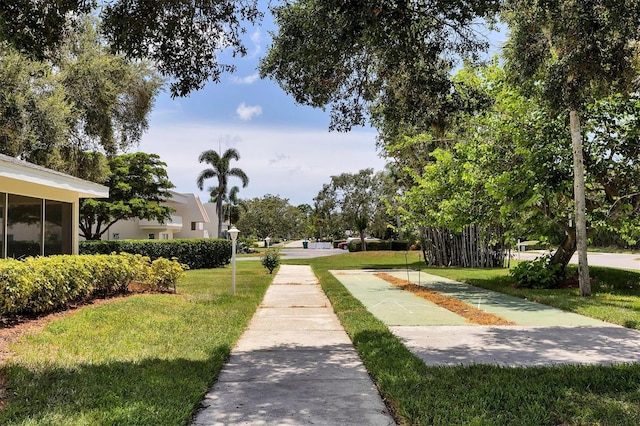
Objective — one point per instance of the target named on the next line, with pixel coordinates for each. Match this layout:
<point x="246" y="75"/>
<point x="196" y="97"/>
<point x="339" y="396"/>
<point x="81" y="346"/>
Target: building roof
<point x="13" y="168"/>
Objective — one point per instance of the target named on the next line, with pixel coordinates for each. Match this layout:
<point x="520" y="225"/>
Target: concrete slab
<point x="521" y="346"/>
<point x="295" y="296"/>
<point x="293" y="402"/>
<point x="287" y="363"/>
<point x="294" y="323"/>
<point x="253" y="340"/>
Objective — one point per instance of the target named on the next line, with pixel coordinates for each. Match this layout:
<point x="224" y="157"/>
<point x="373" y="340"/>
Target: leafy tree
<point x="221" y="170"/>
<point x="271" y="216"/>
<point x="180" y="37"/>
<point x="326" y="220"/>
<point x="138" y="184"/>
<point x="110" y="96"/>
<point x="511" y="167"/>
<point x="346" y="54"/>
<point x="34" y="112"/>
<point x="358" y="197"/>
<point x="574" y="53"/>
<point x="85" y="99"/>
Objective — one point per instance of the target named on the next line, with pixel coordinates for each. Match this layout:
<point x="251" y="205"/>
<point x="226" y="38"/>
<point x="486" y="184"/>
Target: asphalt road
<point x="612" y="260"/>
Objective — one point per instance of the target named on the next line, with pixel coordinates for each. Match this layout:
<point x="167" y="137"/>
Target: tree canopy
<point x="55" y="113"/>
<point x="573" y="53"/>
<point x="357" y="198"/>
<point x="344" y="54"/>
<point x="180" y="37"/>
<point x="272" y="216"/>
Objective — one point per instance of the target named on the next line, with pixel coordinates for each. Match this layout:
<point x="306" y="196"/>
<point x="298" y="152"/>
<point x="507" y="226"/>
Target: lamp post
<point x="234" y="236"/>
<point x="266" y="240"/>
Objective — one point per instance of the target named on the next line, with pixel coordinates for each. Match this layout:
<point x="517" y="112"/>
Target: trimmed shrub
<point x="44" y="284"/>
<point x="270" y="259"/>
<point x="356" y="245"/>
<point x="538" y="273"/>
<point x="195" y="253"/>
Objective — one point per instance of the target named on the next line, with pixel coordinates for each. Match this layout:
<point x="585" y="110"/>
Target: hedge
<point x="356" y="245"/>
<point x="195" y="253"/>
<point x="44" y="284"/>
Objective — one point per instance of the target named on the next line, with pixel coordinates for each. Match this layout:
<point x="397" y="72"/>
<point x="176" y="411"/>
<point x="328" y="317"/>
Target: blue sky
<point x="286" y="149"/>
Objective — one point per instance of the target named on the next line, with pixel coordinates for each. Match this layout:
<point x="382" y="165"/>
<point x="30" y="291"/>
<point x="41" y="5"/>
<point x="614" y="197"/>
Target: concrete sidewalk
<point x="294" y="365"/>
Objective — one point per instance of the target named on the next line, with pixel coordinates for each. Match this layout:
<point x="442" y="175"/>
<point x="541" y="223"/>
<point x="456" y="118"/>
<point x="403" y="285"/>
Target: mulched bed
<point x="456" y="306"/>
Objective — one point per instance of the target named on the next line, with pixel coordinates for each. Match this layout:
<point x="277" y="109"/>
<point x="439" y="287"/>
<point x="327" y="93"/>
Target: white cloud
<point x="249" y="79"/>
<point x="256" y="39"/>
<point x="247" y="112"/>
<point x="278" y="158"/>
<point x="292" y="163"/>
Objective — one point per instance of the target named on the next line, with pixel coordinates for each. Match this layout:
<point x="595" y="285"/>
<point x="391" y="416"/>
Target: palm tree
<point x="231" y="210"/>
<point x="220" y="169"/>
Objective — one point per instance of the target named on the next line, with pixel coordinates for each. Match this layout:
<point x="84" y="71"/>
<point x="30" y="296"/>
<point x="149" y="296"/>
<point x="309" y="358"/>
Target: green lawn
<point x="149" y="359"/>
<point x="490" y="395"/>
<point x="143" y="360"/>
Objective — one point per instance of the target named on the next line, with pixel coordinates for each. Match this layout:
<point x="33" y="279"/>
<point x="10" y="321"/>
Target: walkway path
<point x="294" y="365"/>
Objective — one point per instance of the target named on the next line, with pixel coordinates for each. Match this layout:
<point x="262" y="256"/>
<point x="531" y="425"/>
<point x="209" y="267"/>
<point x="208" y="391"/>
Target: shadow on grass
<point x="487" y="394"/>
<point x="154" y="391"/>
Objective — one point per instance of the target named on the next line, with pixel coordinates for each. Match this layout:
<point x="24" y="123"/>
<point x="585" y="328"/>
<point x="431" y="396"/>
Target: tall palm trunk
<point x="219" y="212"/>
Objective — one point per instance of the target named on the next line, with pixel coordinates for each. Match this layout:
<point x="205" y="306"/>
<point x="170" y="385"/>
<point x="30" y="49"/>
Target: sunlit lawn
<point x="149" y="359"/>
<point x="143" y="360"/>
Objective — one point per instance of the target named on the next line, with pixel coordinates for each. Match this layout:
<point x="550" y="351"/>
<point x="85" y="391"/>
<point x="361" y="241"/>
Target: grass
<point x="149" y="359"/>
<point x="482" y="394"/>
<point x="143" y="360"/>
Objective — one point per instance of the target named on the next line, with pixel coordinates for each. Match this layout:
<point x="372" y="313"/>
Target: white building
<point x="191" y="219"/>
<point x="39" y="209"/>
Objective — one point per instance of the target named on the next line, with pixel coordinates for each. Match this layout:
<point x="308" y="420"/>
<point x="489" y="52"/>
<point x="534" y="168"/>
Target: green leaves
<point x="350" y="55"/>
<point x="43" y="284"/>
<point x="138" y="185"/>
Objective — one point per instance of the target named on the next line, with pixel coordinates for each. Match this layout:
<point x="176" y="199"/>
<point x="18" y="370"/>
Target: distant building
<point x="191" y="219"/>
<point x="39" y="209"/>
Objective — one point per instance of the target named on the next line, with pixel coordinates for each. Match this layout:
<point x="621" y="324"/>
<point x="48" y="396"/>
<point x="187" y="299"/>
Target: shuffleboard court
<point x="392" y="305"/>
<point x="517" y="310"/>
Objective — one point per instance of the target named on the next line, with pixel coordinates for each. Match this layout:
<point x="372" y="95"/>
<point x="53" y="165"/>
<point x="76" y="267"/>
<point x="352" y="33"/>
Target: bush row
<point x="356" y="245"/>
<point x="195" y="253"/>
<point x="44" y="284"/>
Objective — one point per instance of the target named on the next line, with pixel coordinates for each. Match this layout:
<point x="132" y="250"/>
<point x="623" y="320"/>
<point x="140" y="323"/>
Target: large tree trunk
<point x="580" y="203"/>
<point x="566" y="250"/>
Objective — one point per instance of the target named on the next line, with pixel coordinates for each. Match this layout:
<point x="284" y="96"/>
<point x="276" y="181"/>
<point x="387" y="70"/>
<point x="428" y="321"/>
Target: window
<point x="57" y="228"/>
<point x="164" y="236"/>
<point x="24" y="226"/>
<point x="193" y="226"/>
<point x="115" y="236"/>
<point x="152" y="236"/>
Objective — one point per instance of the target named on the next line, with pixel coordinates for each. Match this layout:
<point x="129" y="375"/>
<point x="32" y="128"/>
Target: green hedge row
<point x="356" y="245"/>
<point x="44" y="284"/>
<point x="195" y="253"/>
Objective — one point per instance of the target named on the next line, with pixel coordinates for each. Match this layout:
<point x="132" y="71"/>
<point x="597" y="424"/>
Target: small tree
<point x="270" y="259"/>
<point x="138" y="185"/>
